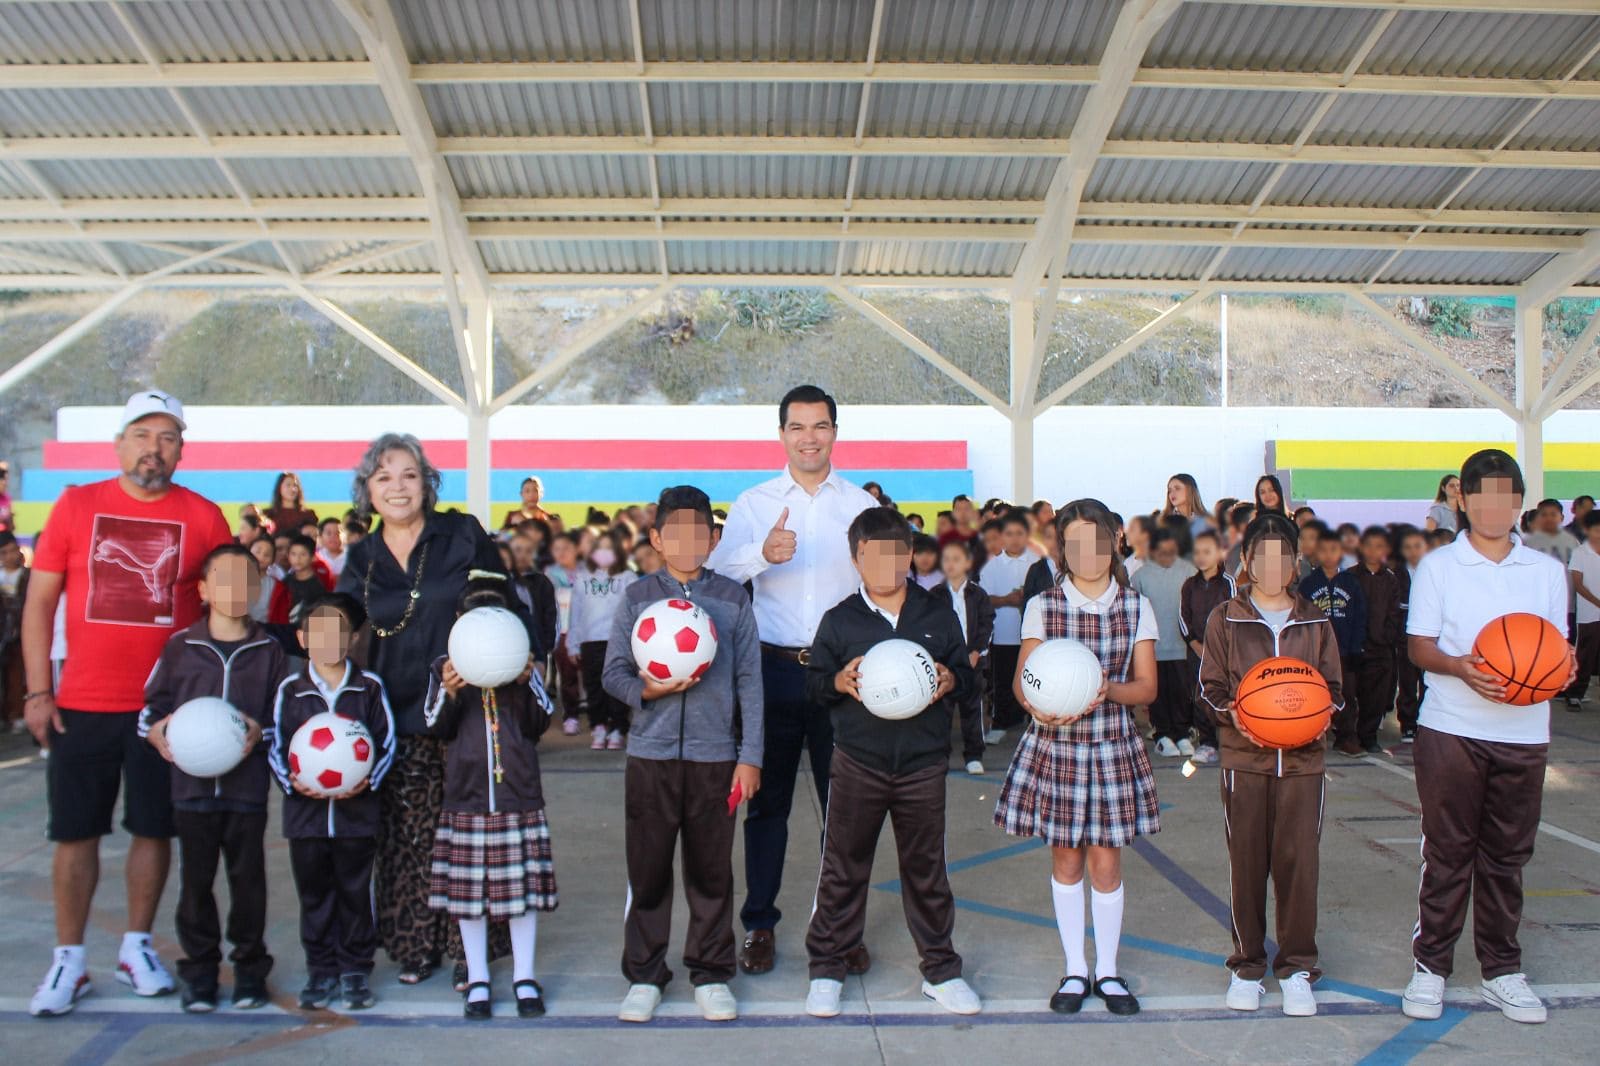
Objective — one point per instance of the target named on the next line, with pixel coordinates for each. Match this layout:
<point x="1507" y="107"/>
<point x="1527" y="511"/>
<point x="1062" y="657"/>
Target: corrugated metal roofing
<point x="1261" y="37"/>
<point x="476" y="109"/>
<point x="934" y="258"/>
<point x="347" y="176"/>
<point x="1165" y="261"/>
<point x="576" y="257"/>
<point x="65" y="251"/>
<point x="537" y="30"/>
<point x="1562" y="126"/>
<point x="1151" y="114"/>
<point x="1532" y="190"/>
<point x="996" y="31"/>
<point x="597" y="176"/>
<point x="89" y="113"/>
<point x="954" y="177"/>
<point x="63" y="33"/>
<point x="1442" y="268"/>
<point x="755" y="30"/>
<point x="156" y="178"/>
<point x="1027" y="111"/>
<point x="802" y="176"/>
<point x="14" y="186"/>
<point x="1175" y="181"/>
<point x="751" y="257"/>
<point x="1482" y="45"/>
<point x="1370" y="119"/>
<point x="1353" y="185"/>
<point x="1300" y="264"/>
<point x="191" y="31"/>
<point x="775" y="109"/>
<point x="289" y="109"/>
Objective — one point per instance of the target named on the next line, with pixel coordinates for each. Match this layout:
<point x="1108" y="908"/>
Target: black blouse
<point x="455" y="544"/>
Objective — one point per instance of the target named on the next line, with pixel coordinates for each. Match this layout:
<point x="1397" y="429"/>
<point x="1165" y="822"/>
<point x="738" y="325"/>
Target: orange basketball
<point x="1527" y="653"/>
<point x="1282" y="702"/>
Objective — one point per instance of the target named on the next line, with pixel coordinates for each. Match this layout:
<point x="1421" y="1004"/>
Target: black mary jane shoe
<point x="1066" y="1001"/>
<point x="477" y="1009"/>
<point x="1122" y="1002"/>
<point x="529" y="1006"/>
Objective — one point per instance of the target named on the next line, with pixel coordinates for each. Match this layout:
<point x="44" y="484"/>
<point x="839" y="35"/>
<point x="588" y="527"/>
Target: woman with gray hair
<point x="409" y="576"/>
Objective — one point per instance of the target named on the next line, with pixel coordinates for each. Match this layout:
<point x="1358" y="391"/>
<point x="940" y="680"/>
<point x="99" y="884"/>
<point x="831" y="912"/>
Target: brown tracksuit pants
<point x="1274" y="828"/>
<point x="1480" y="812"/>
<point x="858" y="800"/>
<point x="665" y="799"/>
<point x="1588" y="644"/>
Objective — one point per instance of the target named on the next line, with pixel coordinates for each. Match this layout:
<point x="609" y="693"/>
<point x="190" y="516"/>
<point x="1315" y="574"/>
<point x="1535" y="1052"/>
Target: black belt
<point x="794" y="655"/>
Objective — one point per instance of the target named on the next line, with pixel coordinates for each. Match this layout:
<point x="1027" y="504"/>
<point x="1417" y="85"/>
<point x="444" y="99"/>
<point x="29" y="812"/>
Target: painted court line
<point x="1544" y="827"/>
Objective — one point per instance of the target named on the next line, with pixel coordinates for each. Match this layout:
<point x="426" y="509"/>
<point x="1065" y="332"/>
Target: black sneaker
<point x="1374" y="749"/>
<point x="199" y="997"/>
<point x="250" y="992"/>
<point x="356" y="992"/>
<point x="319" y="992"/>
<point x="1408" y="736"/>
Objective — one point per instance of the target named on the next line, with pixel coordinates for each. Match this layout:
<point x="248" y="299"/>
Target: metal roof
<point x="1348" y="143"/>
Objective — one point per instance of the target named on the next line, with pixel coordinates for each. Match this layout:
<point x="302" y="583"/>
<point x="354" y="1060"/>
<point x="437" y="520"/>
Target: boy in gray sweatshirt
<point x="689" y="766"/>
<point x="1172" y="711"/>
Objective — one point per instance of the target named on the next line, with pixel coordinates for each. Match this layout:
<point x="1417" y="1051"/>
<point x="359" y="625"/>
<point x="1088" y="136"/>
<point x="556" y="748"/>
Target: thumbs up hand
<point x="779" y="545"/>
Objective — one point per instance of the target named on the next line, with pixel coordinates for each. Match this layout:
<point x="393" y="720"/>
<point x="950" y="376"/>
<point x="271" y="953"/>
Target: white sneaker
<point x="597" y="738"/>
<point x="140" y="969"/>
<point x="64" y="984"/>
<point x="716" y="1003"/>
<point x="975" y="767"/>
<point x="1185" y="747"/>
<point x="954" y="995"/>
<point x="822" y="1000"/>
<point x="994" y="736"/>
<point x="640" y="1004"/>
<point x="1204" y="755"/>
<point x="1424" y="997"/>
<point x="1243" y="994"/>
<point x="1510" y="992"/>
<point x="1165" y="747"/>
<point x="615" y="741"/>
<point x="1298" y="999"/>
<point x="570" y="727"/>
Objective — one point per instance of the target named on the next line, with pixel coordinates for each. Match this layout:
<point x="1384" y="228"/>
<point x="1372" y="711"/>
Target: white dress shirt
<point x="791" y="597"/>
<point x="1002" y="575"/>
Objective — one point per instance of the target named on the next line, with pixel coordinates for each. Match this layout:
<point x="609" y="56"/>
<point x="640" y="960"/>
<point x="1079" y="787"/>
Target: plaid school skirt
<point x="1071" y="793"/>
<point x="499" y="865"/>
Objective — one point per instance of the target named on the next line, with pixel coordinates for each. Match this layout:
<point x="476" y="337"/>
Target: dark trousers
<point x="792" y="726"/>
<point x="1205" y="727"/>
<point x="13" y="684"/>
<point x="1408" y="697"/>
<point x="1588" y="659"/>
<point x="1172" y="711"/>
<point x="914" y="805"/>
<point x="971" y="708"/>
<point x="1274" y="829"/>
<point x="204" y="838"/>
<point x="665" y="800"/>
<point x="604" y="709"/>
<point x="333" y="876"/>
<point x="1480" y="812"/>
<point x="568" y="688"/>
<point x="1003" y="669"/>
<point x="1369" y="687"/>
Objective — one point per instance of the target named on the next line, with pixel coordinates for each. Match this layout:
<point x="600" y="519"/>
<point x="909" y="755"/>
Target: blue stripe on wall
<point x="561" y="486"/>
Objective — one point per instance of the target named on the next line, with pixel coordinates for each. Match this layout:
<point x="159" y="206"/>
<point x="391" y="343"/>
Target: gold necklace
<point x="411" y="598"/>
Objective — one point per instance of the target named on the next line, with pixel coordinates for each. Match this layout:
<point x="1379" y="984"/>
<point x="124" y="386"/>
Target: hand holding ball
<point x="1061" y="678"/>
<point x="1282" y="702"/>
<point x="207" y="737"/>
<point x="330" y="754"/>
<point x="898" y="679"/>
<point x="489" y="647"/>
<point x="674" y="640"/>
<point x="1525" y="654"/>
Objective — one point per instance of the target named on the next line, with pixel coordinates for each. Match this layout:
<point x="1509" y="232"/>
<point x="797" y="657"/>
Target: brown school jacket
<point x="1236" y="639"/>
<point x="1386" y="593"/>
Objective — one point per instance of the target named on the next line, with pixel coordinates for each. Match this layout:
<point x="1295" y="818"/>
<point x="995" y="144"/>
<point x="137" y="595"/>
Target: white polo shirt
<point x="1456" y="592"/>
<point x="1146" y="628"/>
<point x="1002" y="575"/>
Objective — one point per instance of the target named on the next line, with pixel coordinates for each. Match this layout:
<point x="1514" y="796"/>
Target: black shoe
<point x="1066" y="1000"/>
<point x="1574" y="704"/>
<point x="355" y="991"/>
<point x="1374" y="749"/>
<point x="319" y="992"/>
<point x="529" y="1006"/>
<point x="1408" y="736"/>
<point x="1116" y="1002"/>
<point x="200" y="996"/>
<point x="250" y="992"/>
<point x="480" y="1009"/>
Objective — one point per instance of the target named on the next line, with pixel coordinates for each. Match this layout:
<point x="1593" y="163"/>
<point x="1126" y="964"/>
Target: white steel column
<point x="1025" y="361"/>
<point x="478" y="463"/>
<point x="480" y="343"/>
<point x="1530" y="384"/>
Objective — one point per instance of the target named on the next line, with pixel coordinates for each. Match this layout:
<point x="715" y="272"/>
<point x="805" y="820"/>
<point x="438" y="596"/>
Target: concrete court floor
<point x="1175" y="939"/>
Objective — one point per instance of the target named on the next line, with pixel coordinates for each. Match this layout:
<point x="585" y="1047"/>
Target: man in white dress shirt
<point x="787" y="536"/>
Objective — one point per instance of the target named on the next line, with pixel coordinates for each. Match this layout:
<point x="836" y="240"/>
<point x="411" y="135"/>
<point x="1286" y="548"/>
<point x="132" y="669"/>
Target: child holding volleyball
<point x="491" y="851"/>
<point x="1271" y="797"/>
<point x="1479" y="762"/>
<point x="1084" y="786"/>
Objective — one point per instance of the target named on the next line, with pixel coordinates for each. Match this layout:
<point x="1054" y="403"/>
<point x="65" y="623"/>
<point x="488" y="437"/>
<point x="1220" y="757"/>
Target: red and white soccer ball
<point x="673" y="640"/>
<point x="331" y="754"/>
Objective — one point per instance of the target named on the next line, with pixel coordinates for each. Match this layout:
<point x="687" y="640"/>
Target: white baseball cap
<point x="152" y="402"/>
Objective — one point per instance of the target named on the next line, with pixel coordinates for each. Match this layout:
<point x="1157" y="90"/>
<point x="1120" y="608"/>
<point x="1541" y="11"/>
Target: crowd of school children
<point x="1165" y="599"/>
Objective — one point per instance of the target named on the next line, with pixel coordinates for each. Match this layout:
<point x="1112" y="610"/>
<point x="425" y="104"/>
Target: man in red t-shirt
<point x="126" y="553"/>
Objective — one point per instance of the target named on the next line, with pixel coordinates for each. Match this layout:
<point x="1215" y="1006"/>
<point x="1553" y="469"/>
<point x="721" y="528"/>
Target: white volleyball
<point x="898" y="679"/>
<point x="1060" y="678"/>
<point x="206" y="736"/>
<point x="330" y="754"/>
<point x="489" y="647"/>
<point x="674" y="640"/>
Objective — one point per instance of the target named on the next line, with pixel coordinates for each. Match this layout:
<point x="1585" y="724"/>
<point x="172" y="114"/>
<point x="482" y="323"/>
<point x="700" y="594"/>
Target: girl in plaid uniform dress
<point x="1085" y="786"/>
<point x="491" y="851"/>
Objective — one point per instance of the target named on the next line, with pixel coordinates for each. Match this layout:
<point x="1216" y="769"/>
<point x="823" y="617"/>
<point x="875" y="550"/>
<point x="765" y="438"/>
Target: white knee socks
<point x="475" y="946"/>
<point x="1068" y="901"/>
<point x="1107" y="908"/>
<point x="523" y="929"/>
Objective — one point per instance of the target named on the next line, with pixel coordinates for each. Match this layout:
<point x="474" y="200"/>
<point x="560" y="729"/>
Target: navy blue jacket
<point x="1344" y="602"/>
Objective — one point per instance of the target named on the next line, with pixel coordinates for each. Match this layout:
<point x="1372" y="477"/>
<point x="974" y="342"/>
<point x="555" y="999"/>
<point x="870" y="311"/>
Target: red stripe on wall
<point x="533" y="455"/>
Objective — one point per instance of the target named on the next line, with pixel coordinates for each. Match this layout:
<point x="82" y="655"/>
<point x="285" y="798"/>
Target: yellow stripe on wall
<point x="1419" y="454"/>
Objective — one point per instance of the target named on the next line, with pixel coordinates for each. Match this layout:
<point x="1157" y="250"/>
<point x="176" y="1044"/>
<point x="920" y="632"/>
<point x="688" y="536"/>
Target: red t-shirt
<point x="132" y="580"/>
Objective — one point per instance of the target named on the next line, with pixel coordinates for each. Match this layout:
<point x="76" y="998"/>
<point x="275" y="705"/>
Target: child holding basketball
<point x="1479" y="763"/>
<point x="491" y="851"/>
<point x="1085" y="787"/>
<point x="1271" y="798"/>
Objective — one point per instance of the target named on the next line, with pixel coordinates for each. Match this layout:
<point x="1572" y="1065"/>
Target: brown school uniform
<point x="1271" y="800"/>
<point x="1372" y="689"/>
